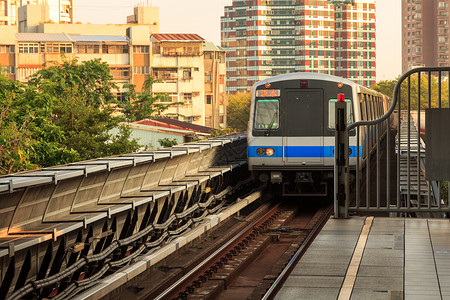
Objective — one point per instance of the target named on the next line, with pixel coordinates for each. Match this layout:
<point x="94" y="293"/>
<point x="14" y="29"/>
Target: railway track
<point x="247" y="261"/>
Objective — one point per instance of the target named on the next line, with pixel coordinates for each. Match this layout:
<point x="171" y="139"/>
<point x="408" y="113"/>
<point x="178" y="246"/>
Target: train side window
<point x="332" y="112"/>
<point x="374" y="113"/>
<point x="370" y="107"/>
<point x="267" y="114"/>
<point x="363" y="108"/>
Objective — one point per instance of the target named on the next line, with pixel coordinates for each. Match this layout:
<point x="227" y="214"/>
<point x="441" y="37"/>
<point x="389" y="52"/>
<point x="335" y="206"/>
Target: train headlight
<point x="260" y="151"/>
<point x="270" y="151"/>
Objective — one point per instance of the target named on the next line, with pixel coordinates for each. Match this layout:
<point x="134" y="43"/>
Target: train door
<point x="304" y="127"/>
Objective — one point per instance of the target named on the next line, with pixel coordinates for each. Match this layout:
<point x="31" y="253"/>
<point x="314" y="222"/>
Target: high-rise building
<point x="271" y="37"/>
<point x="425" y="33"/>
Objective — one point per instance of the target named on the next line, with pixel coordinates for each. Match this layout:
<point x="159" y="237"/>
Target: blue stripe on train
<point x="299" y="151"/>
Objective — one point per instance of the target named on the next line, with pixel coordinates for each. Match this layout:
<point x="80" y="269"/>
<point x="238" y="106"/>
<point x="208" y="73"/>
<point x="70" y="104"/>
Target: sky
<point x="203" y="18"/>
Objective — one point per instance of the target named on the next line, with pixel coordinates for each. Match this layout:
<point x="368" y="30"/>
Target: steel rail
<point x="199" y="269"/>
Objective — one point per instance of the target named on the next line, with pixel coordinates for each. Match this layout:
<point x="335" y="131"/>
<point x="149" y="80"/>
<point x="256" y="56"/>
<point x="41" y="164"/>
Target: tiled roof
<point x="175" y="124"/>
<point x="177" y="37"/>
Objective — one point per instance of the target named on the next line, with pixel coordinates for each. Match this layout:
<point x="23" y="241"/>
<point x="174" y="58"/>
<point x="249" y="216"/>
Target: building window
<point x="165" y="73"/>
<point x="164" y="97"/>
<point x="120" y="97"/>
<point x="187" y="98"/>
<point x="187" y="74"/>
<point x="141" y="70"/>
<point x="57" y="48"/>
<point x="114" y="49"/>
<point x="29" y="48"/>
<point x="221" y="119"/>
<point x="208" y="99"/>
<point x="9" y="70"/>
<point x="120" y="73"/>
<point x="6" y="48"/>
<point x="189" y="119"/>
<point x="87" y="49"/>
<point x="141" y="49"/>
<point x="208" y="76"/>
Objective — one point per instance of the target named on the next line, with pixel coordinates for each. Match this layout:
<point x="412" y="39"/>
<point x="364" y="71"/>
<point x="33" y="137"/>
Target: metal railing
<point x="393" y="147"/>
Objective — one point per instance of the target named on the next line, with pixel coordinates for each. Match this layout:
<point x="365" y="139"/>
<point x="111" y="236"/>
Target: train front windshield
<point x="267" y="114"/>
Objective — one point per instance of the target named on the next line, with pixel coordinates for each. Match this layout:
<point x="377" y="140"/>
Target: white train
<point x="291" y="129"/>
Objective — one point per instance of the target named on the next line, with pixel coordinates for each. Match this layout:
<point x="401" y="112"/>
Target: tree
<point x="238" y="111"/>
<point x="91" y="80"/>
<point x="385" y="87"/>
<point x="61" y="116"/>
<point x="144" y="105"/>
<point x="27" y="135"/>
<point x="167" y="143"/>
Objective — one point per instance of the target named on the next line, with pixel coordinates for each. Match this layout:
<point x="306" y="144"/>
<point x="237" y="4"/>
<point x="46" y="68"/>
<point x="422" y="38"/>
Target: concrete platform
<point x="385" y="259"/>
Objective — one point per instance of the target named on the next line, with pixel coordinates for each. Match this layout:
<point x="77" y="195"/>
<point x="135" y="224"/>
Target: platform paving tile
<point x="400" y="253"/>
<point x="379" y="271"/>
<point x="316" y="268"/>
<point x="422" y="297"/>
<point x="333" y="259"/>
<point x="293" y="293"/>
<point x="364" y="294"/>
<point x="382" y="260"/>
<point x="379" y="283"/>
<point x="314" y="281"/>
<point x="323" y="251"/>
<point x="337" y="235"/>
<point x="383" y="253"/>
<point x="330" y="243"/>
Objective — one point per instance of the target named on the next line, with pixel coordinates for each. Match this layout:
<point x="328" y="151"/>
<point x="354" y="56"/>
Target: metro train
<point x="291" y="133"/>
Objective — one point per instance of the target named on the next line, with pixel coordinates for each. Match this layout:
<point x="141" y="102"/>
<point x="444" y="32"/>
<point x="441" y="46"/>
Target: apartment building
<point x="190" y="75"/>
<point x="193" y="71"/>
<point x="8" y="51"/>
<point x="215" y="85"/>
<point x="270" y="37"/>
<point x="425" y="33"/>
<point x="56" y="11"/>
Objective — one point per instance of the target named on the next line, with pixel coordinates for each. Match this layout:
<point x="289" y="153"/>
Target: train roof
<point x="317" y="76"/>
<point x="306" y="75"/>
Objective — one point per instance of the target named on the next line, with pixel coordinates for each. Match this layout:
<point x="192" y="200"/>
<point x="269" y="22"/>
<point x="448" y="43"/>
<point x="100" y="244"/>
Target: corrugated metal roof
<point x="99" y="38"/>
<point x="177" y="37"/>
<point x="208" y="46"/>
<point x="43" y="37"/>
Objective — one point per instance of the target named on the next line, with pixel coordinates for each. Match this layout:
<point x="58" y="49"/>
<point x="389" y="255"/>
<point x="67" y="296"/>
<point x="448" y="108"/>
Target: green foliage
<point x="139" y="106"/>
<point x="167" y="143"/>
<point x="91" y="80"/>
<point x="387" y="87"/>
<point x="222" y="132"/>
<point x="238" y="111"/>
<point x="59" y="117"/>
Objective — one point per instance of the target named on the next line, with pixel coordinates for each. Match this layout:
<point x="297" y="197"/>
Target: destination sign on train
<point x="268" y="93"/>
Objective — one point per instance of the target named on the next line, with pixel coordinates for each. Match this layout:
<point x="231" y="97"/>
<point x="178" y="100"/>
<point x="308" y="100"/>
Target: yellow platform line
<point x="352" y="271"/>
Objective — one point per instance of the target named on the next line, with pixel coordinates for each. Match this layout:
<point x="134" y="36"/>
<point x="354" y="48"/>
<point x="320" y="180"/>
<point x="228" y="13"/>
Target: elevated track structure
<point x="62" y="228"/>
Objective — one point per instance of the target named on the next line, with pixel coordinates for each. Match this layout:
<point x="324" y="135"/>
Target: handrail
<point x="395" y="97"/>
